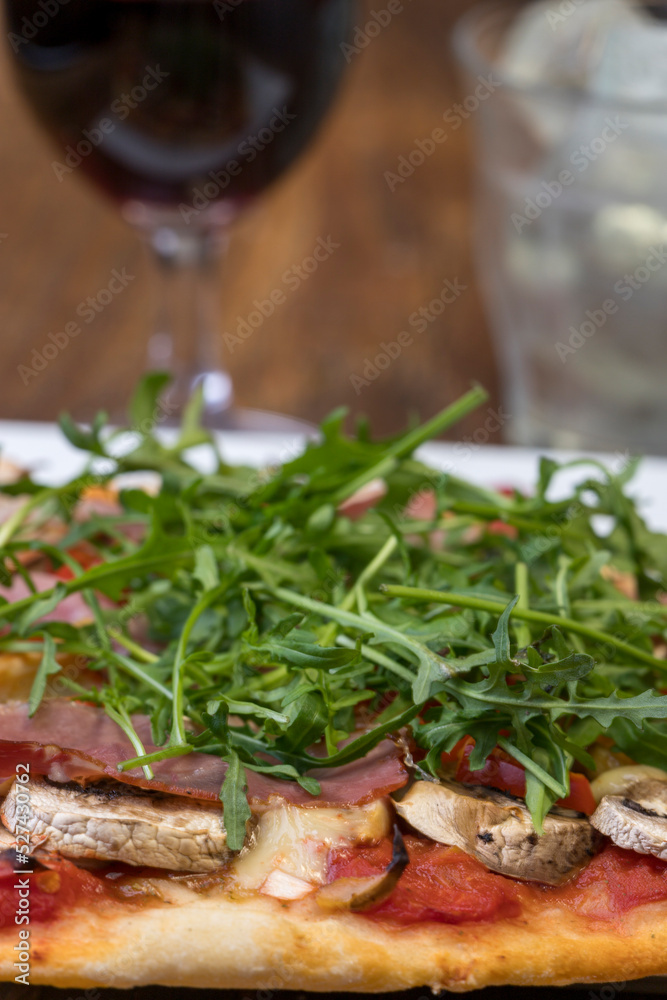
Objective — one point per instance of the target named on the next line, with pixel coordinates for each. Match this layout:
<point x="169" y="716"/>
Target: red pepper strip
<point x="501" y="771"/>
<point x="84" y="554"/>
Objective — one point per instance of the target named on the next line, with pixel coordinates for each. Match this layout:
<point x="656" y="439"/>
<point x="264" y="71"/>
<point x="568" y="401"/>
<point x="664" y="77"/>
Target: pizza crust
<point x="260" y="943"/>
<point x="257" y="942"/>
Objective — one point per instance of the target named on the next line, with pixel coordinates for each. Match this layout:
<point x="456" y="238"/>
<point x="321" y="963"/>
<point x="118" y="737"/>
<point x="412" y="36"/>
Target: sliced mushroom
<point x="497" y="830"/>
<point x="358" y="894"/>
<point x="119" y="824"/>
<point x="637" y="819"/>
<point x="617" y="780"/>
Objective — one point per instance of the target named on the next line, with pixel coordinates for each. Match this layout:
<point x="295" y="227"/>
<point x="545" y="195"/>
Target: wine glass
<point x="182" y="111"/>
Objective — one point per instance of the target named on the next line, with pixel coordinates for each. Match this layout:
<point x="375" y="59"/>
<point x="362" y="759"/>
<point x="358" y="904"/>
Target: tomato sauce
<point x="445" y="885"/>
<point x="40" y="895"/>
<point x="613" y="883"/>
<point x="441" y="884"/>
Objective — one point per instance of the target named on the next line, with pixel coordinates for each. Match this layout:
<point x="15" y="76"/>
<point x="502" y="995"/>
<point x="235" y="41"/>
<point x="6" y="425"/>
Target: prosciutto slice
<point x="68" y="740"/>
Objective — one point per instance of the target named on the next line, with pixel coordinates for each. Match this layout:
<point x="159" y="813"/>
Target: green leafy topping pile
<point x="249" y="617"/>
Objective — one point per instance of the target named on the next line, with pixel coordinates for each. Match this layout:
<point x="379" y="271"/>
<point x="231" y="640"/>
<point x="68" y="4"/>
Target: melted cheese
<point x="296" y="840"/>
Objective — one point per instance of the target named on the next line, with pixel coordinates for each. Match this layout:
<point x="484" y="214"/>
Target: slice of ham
<point x="363" y="499"/>
<point x="69" y="740"/>
<point x="422" y="506"/>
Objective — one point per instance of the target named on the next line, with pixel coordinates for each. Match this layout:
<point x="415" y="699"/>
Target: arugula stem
<point x="272" y="678"/>
<point x="522" y="587"/>
<point x="369" y="572"/>
<point x="128" y="667"/>
<point x="603" y="605"/>
<point x="178" y="735"/>
<point x="528" y="615"/>
<point x="348" y="602"/>
<point x="530" y="765"/>
<point x="102" y="574"/>
<point x="375" y="656"/>
<point x="367" y="623"/>
<point x="409" y="442"/>
<point x="121" y="717"/>
<point x="153" y="758"/>
<point x="137" y="651"/>
<point x="488" y="512"/>
<point x="442" y="421"/>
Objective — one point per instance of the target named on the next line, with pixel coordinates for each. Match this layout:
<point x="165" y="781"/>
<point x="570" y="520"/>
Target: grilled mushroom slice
<point x="617" y="780"/>
<point x="636" y="819"/>
<point x="119" y="824"/>
<point x="497" y="830"/>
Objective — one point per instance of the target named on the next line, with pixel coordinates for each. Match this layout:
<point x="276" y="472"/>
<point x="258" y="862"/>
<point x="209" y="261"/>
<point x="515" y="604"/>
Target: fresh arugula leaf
<point x="48" y="667"/>
<point x="235" y="808"/>
<point x="646" y="744"/>
<point x="39" y="608"/>
<point x="192" y="431"/>
<point x="307" y="654"/>
<point x="206" y="567"/>
<point x="501" y="638"/>
<point x="82" y="438"/>
<point x="145" y="403"/>
<point x="311" y="785"/>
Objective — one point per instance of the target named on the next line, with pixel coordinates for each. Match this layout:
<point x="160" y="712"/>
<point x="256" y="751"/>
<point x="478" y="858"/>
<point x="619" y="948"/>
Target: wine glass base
<point x="218" y="410"/>
<point x="257" y="422"/>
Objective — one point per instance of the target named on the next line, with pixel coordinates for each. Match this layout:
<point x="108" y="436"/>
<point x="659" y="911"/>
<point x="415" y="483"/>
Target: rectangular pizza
<point x="349" y="723"/>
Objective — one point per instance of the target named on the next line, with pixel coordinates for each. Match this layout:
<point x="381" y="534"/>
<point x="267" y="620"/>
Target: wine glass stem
<point x="186" y="342"/>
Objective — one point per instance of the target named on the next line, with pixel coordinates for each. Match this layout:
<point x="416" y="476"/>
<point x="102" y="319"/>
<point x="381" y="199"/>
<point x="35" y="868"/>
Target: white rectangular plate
<point x="42" y="448"/>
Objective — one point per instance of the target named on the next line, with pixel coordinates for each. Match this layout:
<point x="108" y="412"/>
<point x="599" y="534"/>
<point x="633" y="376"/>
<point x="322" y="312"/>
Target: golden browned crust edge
<point x="259" y="943"/>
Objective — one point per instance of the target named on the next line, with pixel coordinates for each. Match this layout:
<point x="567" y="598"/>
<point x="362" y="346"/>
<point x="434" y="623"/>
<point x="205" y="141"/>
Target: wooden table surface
<point x="60" y="240"/>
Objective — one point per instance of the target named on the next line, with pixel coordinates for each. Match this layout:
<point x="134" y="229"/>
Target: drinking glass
<point x="182" y="111"/>
<point x="571" y="218"/>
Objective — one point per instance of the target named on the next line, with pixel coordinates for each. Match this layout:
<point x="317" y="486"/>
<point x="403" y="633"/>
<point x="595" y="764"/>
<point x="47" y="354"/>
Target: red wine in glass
<point x="181" y="110"/>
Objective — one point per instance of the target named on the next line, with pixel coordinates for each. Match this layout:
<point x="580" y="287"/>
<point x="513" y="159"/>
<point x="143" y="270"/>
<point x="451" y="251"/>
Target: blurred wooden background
<point x="61" y="240"/>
